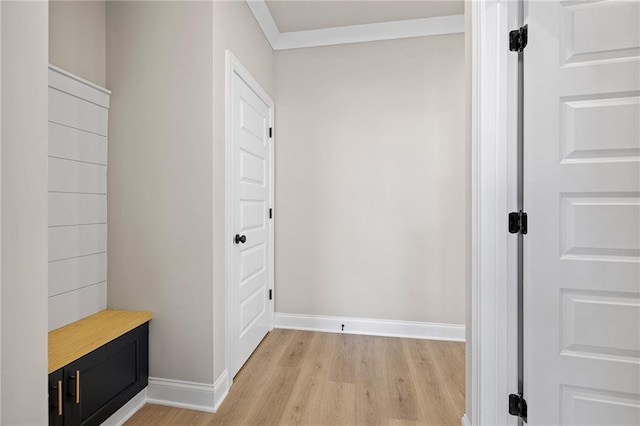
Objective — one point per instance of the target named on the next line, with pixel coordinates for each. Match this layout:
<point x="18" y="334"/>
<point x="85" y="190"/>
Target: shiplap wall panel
<point x="76" y="209"/>
<point x="73" y="144"/>
<point x="68" y="307"/>
<point x="75" y="112"/>
<point x="80" y="240"/>
<point x="75" y="176"/>
<point x="77" y="86"/>
<point x="78" y="272"/>
<point x="78" y="116"/>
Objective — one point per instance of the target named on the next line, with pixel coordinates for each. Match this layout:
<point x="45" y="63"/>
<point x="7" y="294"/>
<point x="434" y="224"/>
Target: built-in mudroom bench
<point x="96" y="365"/>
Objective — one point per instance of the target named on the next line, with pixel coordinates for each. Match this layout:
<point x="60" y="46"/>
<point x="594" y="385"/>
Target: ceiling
<point x="301" y="15"/>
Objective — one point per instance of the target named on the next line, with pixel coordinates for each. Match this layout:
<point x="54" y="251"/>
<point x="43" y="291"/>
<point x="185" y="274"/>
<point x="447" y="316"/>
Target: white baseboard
<point x="373" y="327"/>
<point x="127" y="410"/>
<point x="221" y="389"/>
<point x="175" y="393"/>
<point x="181" y="394"/>
<point x="465" y="421"/>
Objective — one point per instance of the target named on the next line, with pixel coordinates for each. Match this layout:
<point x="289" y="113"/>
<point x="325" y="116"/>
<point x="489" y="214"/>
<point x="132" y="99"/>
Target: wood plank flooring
<point x="309" y="378"/>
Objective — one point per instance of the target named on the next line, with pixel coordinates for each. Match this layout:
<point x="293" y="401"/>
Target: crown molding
<point x="263" y="15"/>
<point x="452" y="24"/>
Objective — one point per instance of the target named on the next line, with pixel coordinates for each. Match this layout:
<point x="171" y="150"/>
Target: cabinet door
<point x="56" y="396"/>
<point x="102" y="381"/>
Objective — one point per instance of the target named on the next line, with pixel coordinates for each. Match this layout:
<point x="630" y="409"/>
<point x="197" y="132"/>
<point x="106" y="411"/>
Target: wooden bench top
<point x="75" y="340"/>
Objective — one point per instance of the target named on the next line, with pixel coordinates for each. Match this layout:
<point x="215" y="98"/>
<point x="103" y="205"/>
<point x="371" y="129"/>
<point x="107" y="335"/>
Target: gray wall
<point x="234" y="28"/>
<point x="77" y="38"/>
<point x="159" y="68"/>
<point x="371" y="183"/>
<point x="24" y="213"/>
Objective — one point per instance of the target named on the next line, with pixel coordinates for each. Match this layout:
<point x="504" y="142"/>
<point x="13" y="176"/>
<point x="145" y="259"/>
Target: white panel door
<point x="251" y="251"/>
<point x="582" y="196"/>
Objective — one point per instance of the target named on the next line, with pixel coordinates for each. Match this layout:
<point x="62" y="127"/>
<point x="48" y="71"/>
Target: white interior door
<point x="582" y="196"/>
<point x="251" y="246"/>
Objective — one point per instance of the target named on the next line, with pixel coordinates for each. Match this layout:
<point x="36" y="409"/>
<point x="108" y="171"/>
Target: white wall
<point x="159" y="69"/>
<point x="77" y="38"/>
<point x="371" y="180"/>
<point x="467" y="137"/>
<point x="234" y="28"/>
<point x="24" y="213"/>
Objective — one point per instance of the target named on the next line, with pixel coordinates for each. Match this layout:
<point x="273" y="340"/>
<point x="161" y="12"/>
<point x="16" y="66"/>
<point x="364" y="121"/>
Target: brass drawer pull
<point x="77" y="386"/>
<point x="59" y="397"/>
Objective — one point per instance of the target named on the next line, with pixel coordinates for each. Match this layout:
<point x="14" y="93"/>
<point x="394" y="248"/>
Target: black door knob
<point x="240" y="239"/>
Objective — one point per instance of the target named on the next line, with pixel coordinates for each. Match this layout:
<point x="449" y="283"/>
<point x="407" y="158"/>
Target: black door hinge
<point x="270" y="132"/>
<point x="270" y="213"/>
<point x="518" y="406"/>
<point x="518" y="222"/>
<point x="270" y="294"/>
<point x="518" y="39"/>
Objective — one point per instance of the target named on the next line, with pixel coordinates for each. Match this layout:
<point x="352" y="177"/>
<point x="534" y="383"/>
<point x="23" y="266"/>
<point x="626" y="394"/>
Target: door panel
<point x="582" y="196"/>
<point x="251" y="274"/>
<point x="600" y="129"/>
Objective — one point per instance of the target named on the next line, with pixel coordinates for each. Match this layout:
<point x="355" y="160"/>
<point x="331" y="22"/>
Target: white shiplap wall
<point x="78" y="112"/>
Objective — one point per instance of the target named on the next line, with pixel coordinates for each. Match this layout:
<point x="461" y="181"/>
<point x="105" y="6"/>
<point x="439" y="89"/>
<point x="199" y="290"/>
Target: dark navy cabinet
<point x="90" y="389"/>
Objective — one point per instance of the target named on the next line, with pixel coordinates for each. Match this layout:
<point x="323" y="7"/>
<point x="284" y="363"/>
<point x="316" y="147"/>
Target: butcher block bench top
<point x="75" y="340"/>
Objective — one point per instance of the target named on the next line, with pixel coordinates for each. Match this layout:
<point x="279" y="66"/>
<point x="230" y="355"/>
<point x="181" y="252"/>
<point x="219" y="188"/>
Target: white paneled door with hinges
<point x="582" y="196"/>
<point x="251" y="195"/>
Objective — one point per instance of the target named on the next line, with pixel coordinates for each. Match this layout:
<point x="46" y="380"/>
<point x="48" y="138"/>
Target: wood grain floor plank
<point x="451" y="372"/>
<point x="343" y="359"/>
<point x="338" y="404"/>
<point x="310" y="378"/>
<point x="370" y="384"/>
<point x="396" y="422"/>
<point x="402" y="397"/>
<point x="426" y="365"/>
<point x="268" y="409"/>
<point x="152" y="414"/>
<point x="253" y="376"/>
<point x="314" y="370"/>
<point x="190" y="418"/>
<point x="295" y="352"/>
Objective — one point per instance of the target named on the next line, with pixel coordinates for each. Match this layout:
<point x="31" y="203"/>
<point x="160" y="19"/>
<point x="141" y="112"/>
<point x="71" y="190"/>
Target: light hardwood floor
<point x="310" y="378"/>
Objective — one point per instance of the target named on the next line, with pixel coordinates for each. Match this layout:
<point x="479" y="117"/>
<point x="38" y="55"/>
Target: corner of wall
<point x="189" y="395"/>
<point x="160" y="180"/>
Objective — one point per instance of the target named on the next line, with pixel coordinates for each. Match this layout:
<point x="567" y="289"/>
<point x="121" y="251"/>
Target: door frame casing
<point x="493" y="316"/>
<point x="234" y="66"/>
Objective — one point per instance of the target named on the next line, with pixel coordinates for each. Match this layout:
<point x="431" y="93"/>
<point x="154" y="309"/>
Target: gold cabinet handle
<point x="77" y="386"/>
<point x="59" y="397"/>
